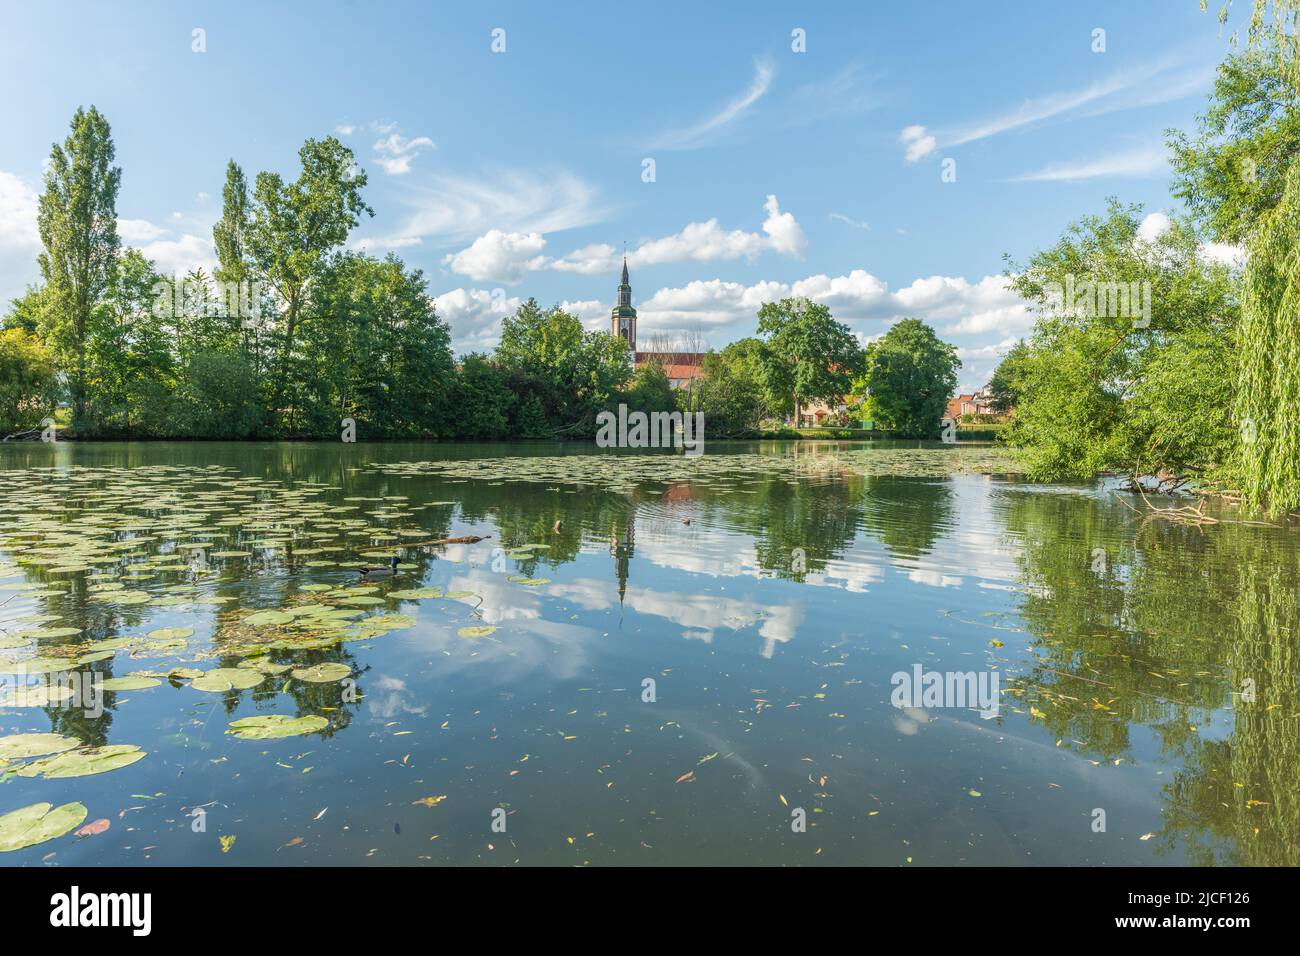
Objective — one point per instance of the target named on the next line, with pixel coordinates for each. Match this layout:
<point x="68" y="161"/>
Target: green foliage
<point x="732" y="395"/>
<point x="213" y="399"/>
<point x="1141" y="393"/>
<point x="292" y="231"/>
<point x="1268" y="383"/>
<point x="650" y="390"/>
<point x="1008" y="381"/>
<point x="807" y="355"/>
<point x="482" y="399"/>
<point x="1234" y="170"/>
<point x="28" y="380"/>
<point x="77" y="220"/>
<point x="910" y="375"/>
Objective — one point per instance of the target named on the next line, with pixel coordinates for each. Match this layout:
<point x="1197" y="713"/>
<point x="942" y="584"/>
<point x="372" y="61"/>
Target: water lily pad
<point x="325" y="673"/>
<point x="222" y="679"/>
<point x="35" y="745"/>
<point x="265" y="667"/>
<point x="83" y="762"/>
<point x="130" y="683"/>
<point x="267" y="618"/>
<point x="170" y="634"/>
<point x="38" y="823"/>
<point x="480" y="630"/>
<point x="416" y="594"/>
<point x="531" y="582"/>
<point x="274" y="726"/>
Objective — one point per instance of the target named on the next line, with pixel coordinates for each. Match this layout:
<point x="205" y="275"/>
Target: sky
<point x="882" y="158"/>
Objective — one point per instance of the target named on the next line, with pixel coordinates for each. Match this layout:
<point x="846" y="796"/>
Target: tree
<point x="808" y="356"/>
<point x="910" y="375"/>
<point x="1242" y="181"/>
<point x="1147" y="389"/>
<point x="1008" y="381"/>
<point x="482" y="400"/>
<point x="28" y="380"/>
<point x="77" y="220"/>
<point x="28" y="311"/>
<point x="228" y="234"/>
<point x="293" y="228"/>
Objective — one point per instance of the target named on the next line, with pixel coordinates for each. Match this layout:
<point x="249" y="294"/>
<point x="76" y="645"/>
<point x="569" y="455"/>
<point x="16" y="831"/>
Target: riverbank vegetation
<point x="297" y="335"/>
<point x="1172" y="354"/>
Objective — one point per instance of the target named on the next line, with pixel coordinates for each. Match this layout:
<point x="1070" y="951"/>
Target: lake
<point x="650" y="659"/>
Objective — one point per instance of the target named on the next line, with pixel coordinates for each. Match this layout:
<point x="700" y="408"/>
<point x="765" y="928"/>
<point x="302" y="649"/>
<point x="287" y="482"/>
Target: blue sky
<point x="521" y="173"/>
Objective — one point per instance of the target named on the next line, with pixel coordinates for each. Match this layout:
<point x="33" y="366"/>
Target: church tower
<point x="623" y="317"/>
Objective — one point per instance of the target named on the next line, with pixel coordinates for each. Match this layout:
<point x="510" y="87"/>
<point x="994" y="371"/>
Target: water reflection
<point x="1150" y="668"/>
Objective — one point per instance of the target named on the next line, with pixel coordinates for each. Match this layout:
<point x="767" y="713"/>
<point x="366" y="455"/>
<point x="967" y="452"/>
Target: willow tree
<point x="1268" y="378"/>
<point x="1241" y="178"/>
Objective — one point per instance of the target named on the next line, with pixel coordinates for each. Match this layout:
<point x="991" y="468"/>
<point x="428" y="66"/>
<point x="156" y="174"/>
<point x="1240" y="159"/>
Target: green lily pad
<point x="480" y="630"/>
<point x="38" y="823"/>
<point x="130" y="683"/>
<point x="275" y="726"/>
<point x="83" y="762"/>
<point x="267" y="618"/>
<point x="170" y="634"/>
<point x="531" y="582"/>
<point x="35" y="745"/>
<point x="325" y="673"/>
<point x="416" y="594"/>
<point x="222" y="679"/>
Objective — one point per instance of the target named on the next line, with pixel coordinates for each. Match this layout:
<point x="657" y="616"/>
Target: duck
<point x="379" y="572"/>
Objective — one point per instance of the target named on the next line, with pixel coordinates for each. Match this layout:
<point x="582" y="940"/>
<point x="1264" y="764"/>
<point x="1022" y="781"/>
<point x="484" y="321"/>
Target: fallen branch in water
<point x="1187" y="514"/>
<point x="464" y="539"/>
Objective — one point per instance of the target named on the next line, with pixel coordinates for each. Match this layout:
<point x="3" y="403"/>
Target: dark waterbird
<point x="379" y="572"/>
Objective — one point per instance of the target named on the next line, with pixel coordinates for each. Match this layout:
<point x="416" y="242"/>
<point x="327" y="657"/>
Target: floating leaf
<point x="274" y="726"/>
<point x="325" y="673"/>
<point x="37" y="824"/>
<point x="222" y="679"/>
<point x="84" y="762"/>
<point x="35" y="745"/>
<point x="480" y="630"/>
<point x="130" y="682"/>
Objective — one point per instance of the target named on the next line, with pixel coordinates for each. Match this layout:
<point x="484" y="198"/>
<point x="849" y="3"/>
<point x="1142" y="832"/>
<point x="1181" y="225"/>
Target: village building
<point x="977" y="403"/>
<point x="682" y="368"/>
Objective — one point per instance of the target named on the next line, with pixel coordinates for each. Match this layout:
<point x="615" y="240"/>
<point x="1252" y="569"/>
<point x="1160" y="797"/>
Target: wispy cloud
<point x="1159" y="81"/>
<point x="448" y="209"/>
<point x="1146" y="161"/>
<point x="697" y="135"/>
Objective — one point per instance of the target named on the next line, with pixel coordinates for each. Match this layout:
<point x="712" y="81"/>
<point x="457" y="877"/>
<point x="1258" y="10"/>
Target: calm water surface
<point x="769" y="591"/>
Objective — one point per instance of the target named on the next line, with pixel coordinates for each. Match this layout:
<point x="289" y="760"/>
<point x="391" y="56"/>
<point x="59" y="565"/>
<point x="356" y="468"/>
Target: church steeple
<point x="623" y="316"/>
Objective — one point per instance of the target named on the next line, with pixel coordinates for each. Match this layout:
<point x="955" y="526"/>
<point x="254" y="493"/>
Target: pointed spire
<point x="625" y="279"/>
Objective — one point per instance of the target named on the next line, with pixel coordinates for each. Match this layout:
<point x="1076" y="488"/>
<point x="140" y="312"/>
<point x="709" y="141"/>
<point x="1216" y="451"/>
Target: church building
<point x="682" y="368"/>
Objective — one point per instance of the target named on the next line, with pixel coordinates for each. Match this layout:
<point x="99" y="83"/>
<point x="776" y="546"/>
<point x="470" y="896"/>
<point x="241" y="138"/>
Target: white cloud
<point x="345" y="129"/>
<point x="505" y="256"/>
<point x="1146" y="161"/>
<point x="20" y="241"/>
<point x="918" y="143"/>
<point x="474" y="316"/>
<point x="395" y="152"/>
<point x="856" y="224"/>
<point x="182" y="255"/>
<point x="18" y="203"/>
<point x="134" y="231"/>
<point x="708" y="241"/>
<point x="460" y="208"/>
<point x="1159" y="80"/>
<point x="953" y="305"/>
<point x="1153" y="226"/>
<point x="691" y="137"/>
<point x="498" y="256"/>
